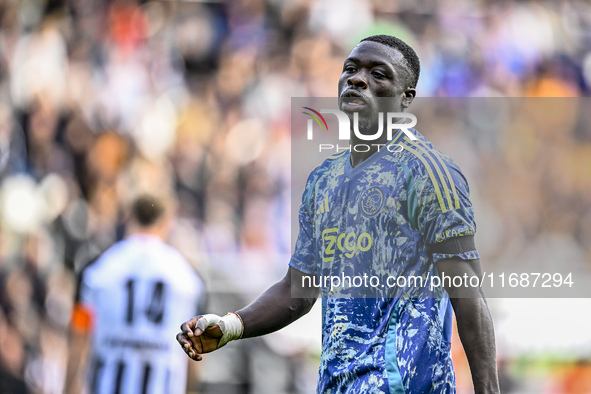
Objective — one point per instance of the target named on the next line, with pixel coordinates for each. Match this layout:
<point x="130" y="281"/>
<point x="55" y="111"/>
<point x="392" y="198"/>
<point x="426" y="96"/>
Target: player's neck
<point x="138" y="231"/>
<point x="362" y="150"/>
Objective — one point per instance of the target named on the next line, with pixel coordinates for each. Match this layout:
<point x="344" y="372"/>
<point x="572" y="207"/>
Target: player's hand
<point x="197" y="338"/>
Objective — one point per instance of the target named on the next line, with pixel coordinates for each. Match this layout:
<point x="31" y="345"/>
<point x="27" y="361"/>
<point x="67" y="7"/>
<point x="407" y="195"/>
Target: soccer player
<point x="128" y="306"/>
<point x="404" y="211"/>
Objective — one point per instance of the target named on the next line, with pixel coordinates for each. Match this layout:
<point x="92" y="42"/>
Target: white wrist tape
<point x="207" y="321"/>
<point x="232" y="328"/>
<point x="230" y="325"/>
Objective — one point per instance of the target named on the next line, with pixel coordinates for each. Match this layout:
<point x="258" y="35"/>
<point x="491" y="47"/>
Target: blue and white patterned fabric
<point x="384" y="219"/>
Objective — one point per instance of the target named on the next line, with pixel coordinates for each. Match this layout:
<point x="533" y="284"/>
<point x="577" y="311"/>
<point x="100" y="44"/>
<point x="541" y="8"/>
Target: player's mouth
<point x="353" y="101"/>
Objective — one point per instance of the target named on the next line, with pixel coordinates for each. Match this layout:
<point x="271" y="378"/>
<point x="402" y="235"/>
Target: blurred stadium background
<point x="100" y="100"/>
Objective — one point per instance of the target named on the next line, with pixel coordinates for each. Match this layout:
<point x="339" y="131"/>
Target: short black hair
<point x="407" y="52"/>
<point x="147" y="210"/>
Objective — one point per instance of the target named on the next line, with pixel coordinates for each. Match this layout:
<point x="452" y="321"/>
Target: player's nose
<point x="357" y="80"/>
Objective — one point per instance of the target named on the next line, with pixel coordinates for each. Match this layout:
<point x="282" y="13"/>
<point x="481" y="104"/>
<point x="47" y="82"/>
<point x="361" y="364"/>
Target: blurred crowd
<point x="102" y="100"/>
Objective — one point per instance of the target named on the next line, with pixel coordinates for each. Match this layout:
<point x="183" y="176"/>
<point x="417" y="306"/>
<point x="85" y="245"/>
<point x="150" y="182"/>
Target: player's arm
<point x="79" y="348"/>
<point x="474" y="321"/>
<point x="282" y="304"/>
<point x="445" y="218"/>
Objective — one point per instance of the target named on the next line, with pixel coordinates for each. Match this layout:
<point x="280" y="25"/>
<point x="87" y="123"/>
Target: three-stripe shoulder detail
<point x="438" y="172"/>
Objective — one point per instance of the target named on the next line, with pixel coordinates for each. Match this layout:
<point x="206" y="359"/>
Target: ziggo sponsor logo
<point x="346" y="243"/>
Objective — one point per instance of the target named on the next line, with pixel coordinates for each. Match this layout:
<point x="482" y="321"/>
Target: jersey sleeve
<point x="442" y="209"/>
<point x="303" y="257"/>
<point x="82" y="319"/>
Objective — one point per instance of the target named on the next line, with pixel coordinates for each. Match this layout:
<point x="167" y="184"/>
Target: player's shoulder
<point x="175" y="257"/>
<point x="85" y="275"/>
<point x="171" y="261"/>
<point x="105" y="258"/>
<point x="339" y="155"/>
<point x="332" y="162"/>
<point x="331" y="166"/>
<point x="104" y="266"/>
<point x="434" y="175"/>
<point x="422" y="158"/>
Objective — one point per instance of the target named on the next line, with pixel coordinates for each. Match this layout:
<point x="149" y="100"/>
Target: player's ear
<point x="408" y="96"/>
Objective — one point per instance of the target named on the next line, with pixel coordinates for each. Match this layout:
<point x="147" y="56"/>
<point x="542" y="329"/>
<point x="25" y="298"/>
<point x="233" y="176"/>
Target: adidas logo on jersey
<point x="323" y="207"/>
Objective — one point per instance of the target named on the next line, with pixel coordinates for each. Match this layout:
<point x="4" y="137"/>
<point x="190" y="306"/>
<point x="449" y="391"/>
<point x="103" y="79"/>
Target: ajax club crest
<point x="372" y="201"/>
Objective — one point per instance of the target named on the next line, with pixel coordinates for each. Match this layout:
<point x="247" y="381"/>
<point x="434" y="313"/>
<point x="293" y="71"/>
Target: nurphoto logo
<point x="344" y="125"/>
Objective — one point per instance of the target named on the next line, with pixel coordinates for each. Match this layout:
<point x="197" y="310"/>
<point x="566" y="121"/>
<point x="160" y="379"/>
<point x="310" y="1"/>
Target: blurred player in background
<point x="412" y="206"/>
<point x="129" y="303"/>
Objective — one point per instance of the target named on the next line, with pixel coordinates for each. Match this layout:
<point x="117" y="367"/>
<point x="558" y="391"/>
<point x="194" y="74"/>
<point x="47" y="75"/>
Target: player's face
<point x="374" y="70"/>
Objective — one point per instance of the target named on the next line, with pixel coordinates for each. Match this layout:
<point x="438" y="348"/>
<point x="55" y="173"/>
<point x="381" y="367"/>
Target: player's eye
<point x="378" y="75"/>
<point x="350" y="69"/>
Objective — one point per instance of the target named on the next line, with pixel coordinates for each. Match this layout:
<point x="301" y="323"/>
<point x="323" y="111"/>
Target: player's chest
<point x="366" y="198"/>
